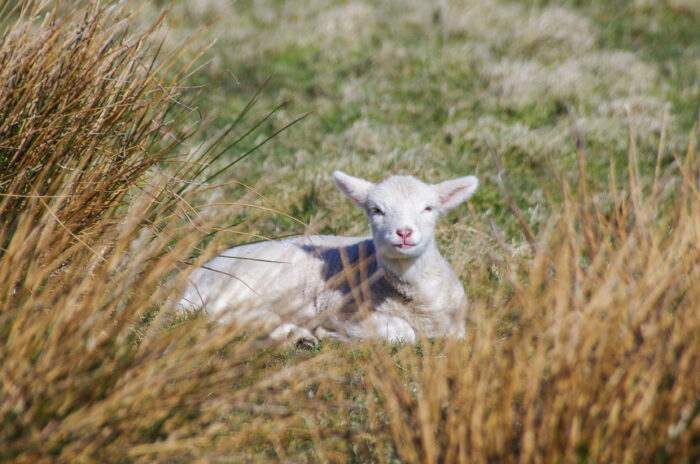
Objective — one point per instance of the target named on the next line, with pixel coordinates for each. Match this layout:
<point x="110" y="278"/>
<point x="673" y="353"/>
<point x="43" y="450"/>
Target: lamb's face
<point x="402" y="212"/>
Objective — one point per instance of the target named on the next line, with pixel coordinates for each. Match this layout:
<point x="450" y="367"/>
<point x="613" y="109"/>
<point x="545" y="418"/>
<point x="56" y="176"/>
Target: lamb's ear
<point x="454" y="192"/>
<point x="354" y="188"/>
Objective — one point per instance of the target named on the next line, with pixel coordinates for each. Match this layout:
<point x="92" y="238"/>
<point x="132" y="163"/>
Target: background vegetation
<point x="134" y="144"/>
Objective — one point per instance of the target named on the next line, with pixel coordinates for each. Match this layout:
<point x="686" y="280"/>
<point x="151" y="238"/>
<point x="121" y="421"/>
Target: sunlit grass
<point x="432" y="89"/>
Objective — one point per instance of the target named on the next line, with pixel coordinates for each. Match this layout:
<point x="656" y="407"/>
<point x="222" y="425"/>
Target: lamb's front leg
<point x="384" y="326"/>
<point x="279" y="328"/>
<point x="294" y="335"/>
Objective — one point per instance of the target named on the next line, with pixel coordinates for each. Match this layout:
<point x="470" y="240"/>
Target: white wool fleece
<point x="394" y="285"/>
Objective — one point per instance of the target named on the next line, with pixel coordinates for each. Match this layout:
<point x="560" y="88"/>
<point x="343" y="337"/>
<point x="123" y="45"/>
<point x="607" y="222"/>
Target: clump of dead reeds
<point x="587" y="352"/>
<point x="86" y="112"/>
<point x="83" y="113"/>
<point x="93" y="126"/>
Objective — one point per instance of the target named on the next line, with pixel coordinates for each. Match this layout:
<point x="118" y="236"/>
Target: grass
<point x="414" y="88"/>
<point x="583" y="337"/>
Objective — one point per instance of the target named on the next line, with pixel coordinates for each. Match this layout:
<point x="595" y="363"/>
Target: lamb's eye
<point x="428" y="209"/>
<point x="376" y="211"/>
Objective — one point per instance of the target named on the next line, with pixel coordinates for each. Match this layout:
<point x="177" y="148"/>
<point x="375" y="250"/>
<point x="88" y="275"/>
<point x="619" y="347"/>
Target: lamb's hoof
<point x="294" y="335"/>
<point x="307" y="343"/>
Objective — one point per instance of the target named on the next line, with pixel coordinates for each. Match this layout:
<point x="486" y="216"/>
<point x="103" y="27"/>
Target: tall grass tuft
<point x="91" y="117"/>
<point x="95" y="194"/>
<point x="83" y="114"/>
<point x="587" y="352"/>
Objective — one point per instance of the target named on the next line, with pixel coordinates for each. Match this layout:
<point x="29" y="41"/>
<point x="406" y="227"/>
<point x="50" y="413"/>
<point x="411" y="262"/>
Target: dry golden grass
<point x="587" y="351"/>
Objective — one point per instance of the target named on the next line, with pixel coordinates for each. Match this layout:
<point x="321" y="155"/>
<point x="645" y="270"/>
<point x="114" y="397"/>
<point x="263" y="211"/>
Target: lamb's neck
<point x="409" y="275"/>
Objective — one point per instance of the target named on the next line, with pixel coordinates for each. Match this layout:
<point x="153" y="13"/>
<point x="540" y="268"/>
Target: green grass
<point x="405" y="87"/>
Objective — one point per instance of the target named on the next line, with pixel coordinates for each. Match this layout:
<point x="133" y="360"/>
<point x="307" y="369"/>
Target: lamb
<point x="394" y="285"/>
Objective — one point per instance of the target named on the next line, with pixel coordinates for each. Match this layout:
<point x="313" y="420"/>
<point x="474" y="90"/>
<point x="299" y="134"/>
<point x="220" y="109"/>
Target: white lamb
<point x="394" y="285"/>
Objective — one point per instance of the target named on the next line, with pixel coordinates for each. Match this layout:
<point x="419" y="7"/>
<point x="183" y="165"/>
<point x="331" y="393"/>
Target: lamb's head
<point x="402" y="210"/>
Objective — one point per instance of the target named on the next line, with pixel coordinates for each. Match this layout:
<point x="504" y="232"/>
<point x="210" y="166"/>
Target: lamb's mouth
<point x="404" y="246"/>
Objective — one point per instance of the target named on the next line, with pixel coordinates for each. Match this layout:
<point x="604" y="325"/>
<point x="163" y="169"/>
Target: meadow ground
<point x="578" y="252"/>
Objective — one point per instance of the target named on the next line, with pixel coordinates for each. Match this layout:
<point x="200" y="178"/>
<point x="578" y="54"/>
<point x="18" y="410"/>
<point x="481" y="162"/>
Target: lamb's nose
<point x="404" y="233"/>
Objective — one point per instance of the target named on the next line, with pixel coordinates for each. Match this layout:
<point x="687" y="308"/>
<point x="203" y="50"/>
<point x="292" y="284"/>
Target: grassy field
<point x="419" y="88"/>
<point x="133" y="146"/>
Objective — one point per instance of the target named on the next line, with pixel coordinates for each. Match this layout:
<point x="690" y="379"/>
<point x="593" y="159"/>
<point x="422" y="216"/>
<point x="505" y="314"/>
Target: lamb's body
<point x="381" y="286"/>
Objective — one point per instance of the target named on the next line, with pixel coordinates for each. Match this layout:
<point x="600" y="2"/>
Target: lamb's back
<point x="288" y="273"/>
